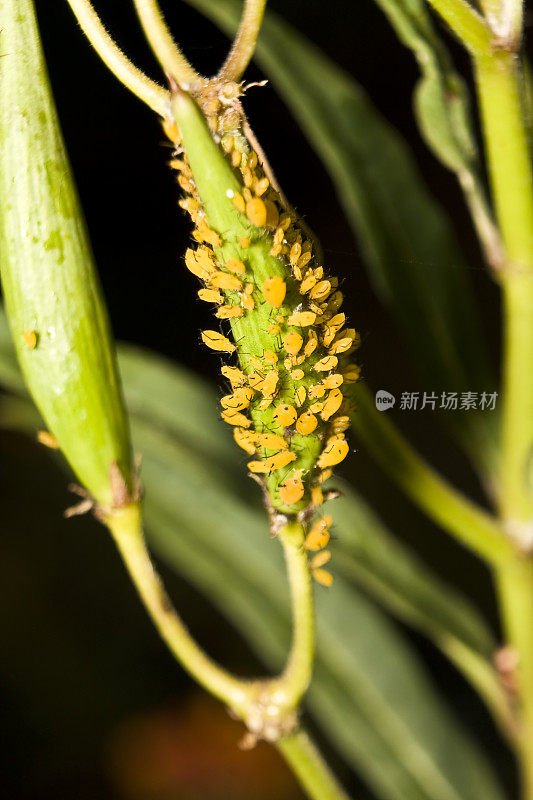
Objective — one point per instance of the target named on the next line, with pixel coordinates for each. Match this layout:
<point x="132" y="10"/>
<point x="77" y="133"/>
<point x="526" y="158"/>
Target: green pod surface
<point x="262" y="272"/>
<point x="54" y="303"/>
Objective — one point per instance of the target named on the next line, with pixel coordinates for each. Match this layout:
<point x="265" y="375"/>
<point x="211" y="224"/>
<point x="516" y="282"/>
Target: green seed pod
<point x="56" y="313"/>
<point x="259" y="267"/>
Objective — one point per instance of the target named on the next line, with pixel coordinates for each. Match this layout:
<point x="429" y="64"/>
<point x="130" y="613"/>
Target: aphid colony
<point x="285" y="400"/>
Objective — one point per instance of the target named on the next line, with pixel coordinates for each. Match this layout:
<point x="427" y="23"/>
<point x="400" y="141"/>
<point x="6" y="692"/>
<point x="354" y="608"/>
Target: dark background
<point x="93" y="706"/>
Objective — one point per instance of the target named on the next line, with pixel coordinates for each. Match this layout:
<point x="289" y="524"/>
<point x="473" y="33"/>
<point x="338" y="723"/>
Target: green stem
<point x="470" y="524"/>
<point x="498" y="84"/>
<point x="514" y="583"/>
<point x="132" y="78"/>
<point x="126" y="529"/>
<point x="243" y="46"/>
<point x="466" y="23"/>
<point x="163" y="45"/>
<point x="510" y="171"/>
<point x="296" y="676"/>
<point x="310" y="768"/>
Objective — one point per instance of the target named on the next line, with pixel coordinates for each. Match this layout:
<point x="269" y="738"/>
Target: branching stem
<point x="127" y="73"/>
<point x="243" y="46"/>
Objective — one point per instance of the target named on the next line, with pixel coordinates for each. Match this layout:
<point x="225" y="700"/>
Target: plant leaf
<point x="417" y="269"/>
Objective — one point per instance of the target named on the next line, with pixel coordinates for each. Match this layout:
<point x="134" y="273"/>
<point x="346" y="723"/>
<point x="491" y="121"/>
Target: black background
<point x="79" y="659"/>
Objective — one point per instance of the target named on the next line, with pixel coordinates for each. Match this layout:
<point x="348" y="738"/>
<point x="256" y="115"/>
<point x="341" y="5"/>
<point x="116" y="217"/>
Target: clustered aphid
<point x="261" y="273"/>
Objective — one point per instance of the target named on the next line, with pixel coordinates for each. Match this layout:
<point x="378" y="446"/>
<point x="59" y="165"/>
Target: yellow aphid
<point x="288" y="363"/>
<point x="271" y="441"/>
<point x="247" y="176"/>
<point x="272" y="463"/>
<point x="272" y="214"/>
<point x="320" y="559"/>
<point x="271" y="357"/>
<point x="188" y="186"/>
<point x="234" y="265"/>
<point x="238" y="202"/>
<point x="311" y="345"/>
<point x="171" y="130"/>
<point x="265" y="403"/>
<point x="236" y="418"/>
<point x="323" y="577"/>
<point x="234" y="375"/>
<point x="280" y="318"/>
<point x="325" y="475"/>
<point x="193" y="265"/>
<point x="48" y="439"/>
<point x="293" y="343"/>
<point x="341" y="345"/>
<point x="299" y="396"/>
<point x="318" y="535"/>
<point x="245" y="242"/>
<point x="306" y="423"/>
<point x="256" y="212"/>
<point x="255" y="380"/>
<point x="302" y="318"/>
<point x="335" y="301"/>
<point x="246" y="297"/>
<point x="317" y="498"/>
<point x="292" y="489"/>
<point x="332" y="404"/>
<point x="297" y="374"/>
<point x="223" y="280"/>
<point x="177" y="164"/>
<point x="304" y="260"/>
<point x="210" y="296"/>
<point x="254" y="362"/>
<point x="326" y="364"/>
<point x="351" y="373"/>
<point x="268" y="388"/>
<point x="216" y="341"/>
<point x="236" y="158"/>
<point x="274" y="290"/>
<point x="319" y="390"/>
<point x="274" y="330"/>
<point x="208" y="235"/>
<point x="333" y="453"/>
<point x="229" y="312"/>
<point x="307" y="283"/>
<point x="30" y="339"/>
<point x="252" y="160"/>
<point x="340" y="424"/>
<point x="240" y="398"/>
<point x="285" y="415"/>
<point x="297" y="272"/>
<point x="244" y="439"/>
<point x="228" y="143"/>
<point x="333" y="381"/>
<point x="295" y="253"/>
<point x="320" y="291"/>
<point x="285" y="221"/>
<point x="261" y="186"/>
<point x="275" y="250"/>
<point x="316" y="408"/>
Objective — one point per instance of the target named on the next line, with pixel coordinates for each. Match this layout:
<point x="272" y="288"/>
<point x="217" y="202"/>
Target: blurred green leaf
<point x="388" y="723"/>
<point x="410" y="249"/>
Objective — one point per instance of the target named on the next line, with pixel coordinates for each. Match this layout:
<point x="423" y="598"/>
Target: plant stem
<point x="296" y="676"/>
<point x="310" y="768"/>
<point x="163" y="45"/>
<point x="514" y="583"/>
<point x="508" y="157"/>
<point x="471" y="525"/>
<point x="126" y="529"/>
<point x="244" y="43"/>
<point x="466" y="23"/>
<point x="132" y="78"/>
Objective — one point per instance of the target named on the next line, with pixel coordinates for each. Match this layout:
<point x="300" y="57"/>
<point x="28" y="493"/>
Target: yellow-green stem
<point x="243" y="46"/>
<point x="508" y="156"/>
<point x="297" y="674"/>
<point x="163" y="45"/>
<point x="132" y="78"/>
<point x="126" y="528"/>
<point x="310" y="768"/>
